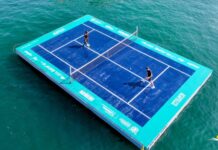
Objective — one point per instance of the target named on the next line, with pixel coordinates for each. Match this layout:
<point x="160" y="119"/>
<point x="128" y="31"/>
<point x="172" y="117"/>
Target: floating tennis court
<point x="106" y="77"/>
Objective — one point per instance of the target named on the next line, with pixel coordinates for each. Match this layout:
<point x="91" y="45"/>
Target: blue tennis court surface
<point x="107" y="76"/>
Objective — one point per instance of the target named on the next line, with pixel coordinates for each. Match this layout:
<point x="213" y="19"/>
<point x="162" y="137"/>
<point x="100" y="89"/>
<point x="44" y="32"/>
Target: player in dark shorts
<point x="86" y="39"/>
<point x="149" y="77"/>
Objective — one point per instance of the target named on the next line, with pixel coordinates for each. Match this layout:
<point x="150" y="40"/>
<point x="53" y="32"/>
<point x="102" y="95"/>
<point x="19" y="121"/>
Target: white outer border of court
<point x="99" y="55"/>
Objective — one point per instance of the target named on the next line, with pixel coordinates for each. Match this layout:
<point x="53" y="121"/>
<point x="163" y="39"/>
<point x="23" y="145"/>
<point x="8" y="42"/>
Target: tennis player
<point x="149" y="77"/>
<point x="86" y="39"/>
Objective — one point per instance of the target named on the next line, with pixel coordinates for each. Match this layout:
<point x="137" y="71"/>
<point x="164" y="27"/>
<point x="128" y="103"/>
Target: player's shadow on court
<point x="79" y="48"/>
<point x="135" y="84"/>
<point x="75" y="46"/>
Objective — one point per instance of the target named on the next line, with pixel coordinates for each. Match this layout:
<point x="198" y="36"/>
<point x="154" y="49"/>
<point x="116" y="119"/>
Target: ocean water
<point x="37" y="115"/>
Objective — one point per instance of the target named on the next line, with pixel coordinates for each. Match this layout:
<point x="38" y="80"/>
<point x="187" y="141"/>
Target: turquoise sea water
<point x="35" y="114"/>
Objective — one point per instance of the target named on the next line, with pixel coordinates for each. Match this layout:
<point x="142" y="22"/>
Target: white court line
<point x="112" y="61"/>
<point x="69" y="42"/>
<point x="148" y="85"/>
<point x="55" y="55"/>
<point x="95" y="82"/>
<point x="139" y="51"/>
